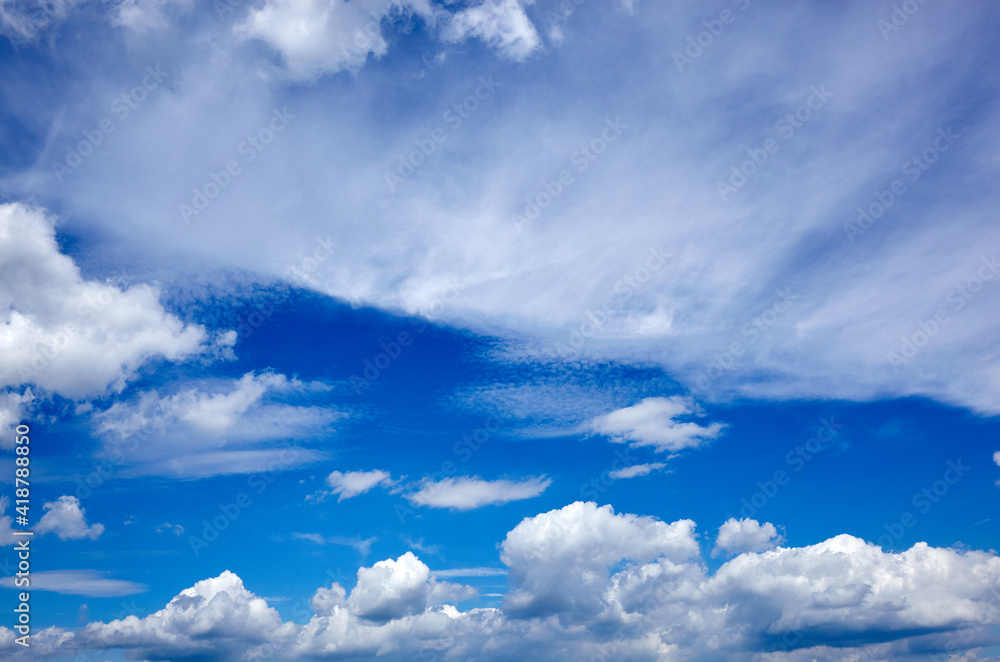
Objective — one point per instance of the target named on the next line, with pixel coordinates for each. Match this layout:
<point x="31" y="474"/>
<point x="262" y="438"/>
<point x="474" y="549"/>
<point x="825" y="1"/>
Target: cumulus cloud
<point x="501" y="24"/>
<point x="75" y="337"/>
<point x="65" y="518"/>
<point x="90" y="583"/>
<point x="465" y="493"/>
<point x="549" y="553"/>
<point x="585" y="581"/>
<point x="220" y="426"/>
<point x="746" y="535"/>
<point x="391" y="589"/>
<point x="653" y="422"/>
<point x="637" y="470"/>
<point x="352" y="483"/>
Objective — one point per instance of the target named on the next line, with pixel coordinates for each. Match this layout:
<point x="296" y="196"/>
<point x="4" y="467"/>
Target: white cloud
<point x="363" y="546"/>
<point x="465" y="493"/>
<point x="79" y="582"/>
<point x="318" y="37"/>
<point x="501" y="24"/>
<point x="220" y="426"/>
<point x="637" y="470"/>
<point x="13" y="406"/>
<point x="469" y="572"/>
<point x="549" y="554"/>
<point x="586" y="582"/>
<point x="572" y="272"/>
<point x="175" y="529"/>
<point x="746" y="535"/>
<point x="141" y="16"/>
<point x="653" y="422"/>
<point x="352" y="483"/>
<point x="65" y="518"/>
<point x="996" y="458"/>
<point x="391" y="589"/>
<point x="76" y="337"/>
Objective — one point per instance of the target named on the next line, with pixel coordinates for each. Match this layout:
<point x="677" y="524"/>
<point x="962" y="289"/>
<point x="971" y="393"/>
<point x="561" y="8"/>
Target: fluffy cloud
<point x="79" y="582"/>
<point x="499" y="23"/>
<point x="746" y="535"/>
<point x="549" y="554"/>
<point x="466" y="493"/>
<point x="65" y="518"/>
<point x="68" y="335"/>
<point x="587" y="582"/>
<point x="653" y="422"/>
<point x="391" y="589"/>
<point x="353" y="483"/>
<point x="222" y="426"/>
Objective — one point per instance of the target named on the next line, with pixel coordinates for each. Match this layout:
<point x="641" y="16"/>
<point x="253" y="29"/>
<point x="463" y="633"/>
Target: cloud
<point x="13" y="406"/>
<point x="652" y="422"/>
<point x="501" y="24"/>
<point x="26" y="19"/>
<point x="746" y="535"/>
<point x="809" y="313"/>
<point x="219" y="426"/>
<point x="467" y="493"/>
<point x="363" y="546"/>
<point x="141" y="16"/>
<point x="316" y="37"/>
<point x="91" y="583"/>
<point x="351" y="484"/>
<point x="391" y="589"/>
<point x="585" y="582"/>
<point x="637" y="470"/>
<point x="547" y="554"/>
<point x="79" y="338"/>
<point x="65" y="518"/>
<point x="470" y="572"/>
<point x="175" y="529"/>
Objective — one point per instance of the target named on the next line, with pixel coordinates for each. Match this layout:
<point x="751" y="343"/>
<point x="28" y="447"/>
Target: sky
<point x="499" y="330"/>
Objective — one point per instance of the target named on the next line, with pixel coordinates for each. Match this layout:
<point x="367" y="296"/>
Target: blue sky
<point x="481" y="330"/>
